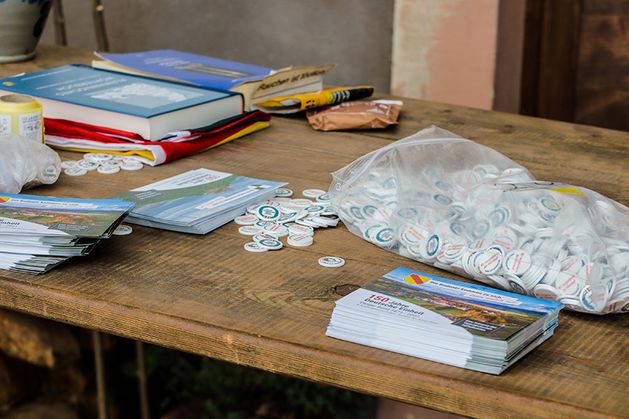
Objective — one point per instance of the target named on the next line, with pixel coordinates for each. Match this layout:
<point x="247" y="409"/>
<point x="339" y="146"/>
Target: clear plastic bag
<point x="449" y="202"/>
<point x="25" y="163"/>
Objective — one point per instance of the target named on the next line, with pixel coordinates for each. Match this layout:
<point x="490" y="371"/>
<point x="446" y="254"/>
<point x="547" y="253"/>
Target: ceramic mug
<point x="21" y="24"/>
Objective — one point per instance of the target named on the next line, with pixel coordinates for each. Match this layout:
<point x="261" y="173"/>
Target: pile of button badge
<point x="103" y="163"/>
<point x="295" y="219"/>
<point x="533" y="241"/>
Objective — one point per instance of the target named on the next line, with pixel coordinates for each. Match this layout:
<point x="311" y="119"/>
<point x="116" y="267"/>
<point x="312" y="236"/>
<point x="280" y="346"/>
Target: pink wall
<point x="445" y="50"/>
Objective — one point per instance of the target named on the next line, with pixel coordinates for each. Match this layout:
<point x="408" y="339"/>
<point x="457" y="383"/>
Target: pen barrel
<point x="336" y="96"/>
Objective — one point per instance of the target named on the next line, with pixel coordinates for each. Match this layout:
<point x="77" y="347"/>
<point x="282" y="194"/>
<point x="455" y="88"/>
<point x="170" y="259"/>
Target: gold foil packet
<point x="370" y="114"/>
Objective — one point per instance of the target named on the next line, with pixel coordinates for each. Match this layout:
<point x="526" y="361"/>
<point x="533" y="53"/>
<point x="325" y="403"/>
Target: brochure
<point x="38" y="233"/>
<point x="197" y="201"/>
<point x="444" y="320"/>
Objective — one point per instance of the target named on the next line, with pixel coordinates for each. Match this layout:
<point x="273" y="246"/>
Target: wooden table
<point x="206" y="295"/>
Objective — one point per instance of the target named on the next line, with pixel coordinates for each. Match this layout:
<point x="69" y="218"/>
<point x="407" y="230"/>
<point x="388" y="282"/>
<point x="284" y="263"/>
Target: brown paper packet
<point x="357" y="114"/>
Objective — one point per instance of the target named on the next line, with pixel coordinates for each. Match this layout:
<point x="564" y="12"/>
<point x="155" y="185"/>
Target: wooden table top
<point x="206" y="295"/>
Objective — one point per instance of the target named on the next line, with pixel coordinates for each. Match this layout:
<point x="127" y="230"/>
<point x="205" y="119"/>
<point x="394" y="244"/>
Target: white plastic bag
<point x="458" y="205"/>
<point x="25" y="163"/>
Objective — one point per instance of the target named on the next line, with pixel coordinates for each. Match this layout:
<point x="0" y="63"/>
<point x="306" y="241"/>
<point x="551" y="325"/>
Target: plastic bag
<point x="463" y="207"/>
<point x="25" y="163"/>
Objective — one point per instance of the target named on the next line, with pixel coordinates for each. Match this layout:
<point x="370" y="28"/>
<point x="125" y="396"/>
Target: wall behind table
<point x="464" y="52"/>
<point x="355" y="34"/>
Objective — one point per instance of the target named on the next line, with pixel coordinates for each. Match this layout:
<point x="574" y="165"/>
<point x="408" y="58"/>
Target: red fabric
<point x="72" y="129"/>
<point x="173" y="150"/>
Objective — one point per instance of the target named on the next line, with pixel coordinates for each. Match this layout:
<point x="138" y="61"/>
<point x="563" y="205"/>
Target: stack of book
<point x="254" y="82"/>
<point x="156" y="121"/>
<point x="442" y="320"/>
<point x="38" y="233"/>
<point x="283" y="91"/>
<point x="197" y="201"/>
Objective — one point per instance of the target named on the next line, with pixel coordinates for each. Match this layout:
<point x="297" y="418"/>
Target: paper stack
<point x="197" y="201"/>
<point x="38" y="233"/>
<point x="442" y="320"/>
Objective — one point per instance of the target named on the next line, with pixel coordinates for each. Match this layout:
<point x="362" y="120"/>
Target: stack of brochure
<point x="442" y="320"/>
<point x="197" y="201"/>
<point x="38" y="233"/>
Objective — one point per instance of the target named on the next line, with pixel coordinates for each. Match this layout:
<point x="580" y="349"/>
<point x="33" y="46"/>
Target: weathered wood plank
<point x="206" y="295"/>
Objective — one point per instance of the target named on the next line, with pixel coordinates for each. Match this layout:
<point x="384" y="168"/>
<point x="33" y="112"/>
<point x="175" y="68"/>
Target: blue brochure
<point x="47" y="216"/>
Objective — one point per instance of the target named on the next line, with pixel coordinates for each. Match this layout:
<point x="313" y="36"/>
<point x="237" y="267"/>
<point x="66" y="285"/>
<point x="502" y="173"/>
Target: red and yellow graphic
<point x="4" y="199"/>
<point x="415" y="279"/>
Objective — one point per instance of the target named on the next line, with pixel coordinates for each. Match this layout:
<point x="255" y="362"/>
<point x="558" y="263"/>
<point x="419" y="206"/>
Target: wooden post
<point x="99" y="365"/>
<point x="142" y="380"/>
<point x="60" y="23"/>
<point x="99" y="26"/>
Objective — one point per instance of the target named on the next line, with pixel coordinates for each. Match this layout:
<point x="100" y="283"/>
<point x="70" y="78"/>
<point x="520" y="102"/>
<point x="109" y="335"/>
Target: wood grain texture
<point x="602" y="88"/>
<point x="550" y="59"/>
<point x="576" y="61"/>
<point x="206" y="295"/>
<point x="531" y="56"/>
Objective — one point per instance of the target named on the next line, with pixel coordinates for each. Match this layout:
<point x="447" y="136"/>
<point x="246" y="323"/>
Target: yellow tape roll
<point x="22" y="115"/>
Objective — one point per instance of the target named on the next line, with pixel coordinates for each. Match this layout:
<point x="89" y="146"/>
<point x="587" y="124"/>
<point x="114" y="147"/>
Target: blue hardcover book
<point x="142" y="105"/>
<point x="192" y="68"/>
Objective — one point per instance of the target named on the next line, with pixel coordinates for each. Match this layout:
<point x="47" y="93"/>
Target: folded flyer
<point x="196" y="201"/>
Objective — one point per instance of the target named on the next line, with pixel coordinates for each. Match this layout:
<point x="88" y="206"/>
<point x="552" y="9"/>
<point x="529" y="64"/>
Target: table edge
<point x="273" y="355"/>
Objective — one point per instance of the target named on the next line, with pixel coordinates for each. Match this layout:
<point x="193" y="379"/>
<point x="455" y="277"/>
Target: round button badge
<point x="67" y="164"/>
<point x="312" y="193"/>
<point x="108" y="169"/>
<point x="271" y="244"/>
<point x="250" y="230"/>
<point x="75" y="171"/>
<point x="88" y="165"/>
<point x="331" y="262"/>
<point x="268" y="213"/>
<point x="122" y="230"/>
<point x="283" y="192"/>
<point x="131" y="165"/>
<point x="300" y="240"/>
<point x="98" y="157"/>
<point x="255" y="247"/>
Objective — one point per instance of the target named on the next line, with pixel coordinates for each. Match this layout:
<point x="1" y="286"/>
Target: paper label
<point x="30" y="126"/>
<point x="5" y="124"/>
